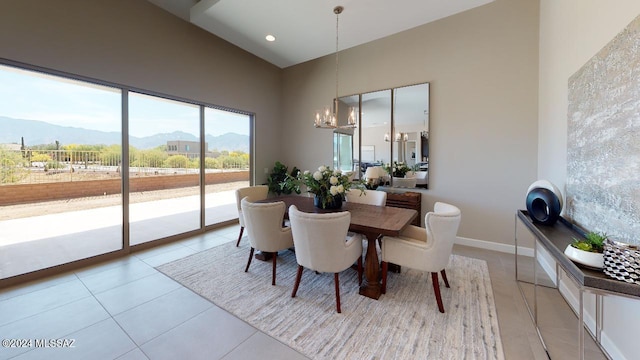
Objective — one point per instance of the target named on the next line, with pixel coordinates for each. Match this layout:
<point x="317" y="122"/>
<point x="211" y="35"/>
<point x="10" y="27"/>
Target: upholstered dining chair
<point x="264" y="227"/>
<point x="369" y="197"/>
<point x="320" y="245"/>
<point x="255" y="193"/>
<point x="426" y="249"/>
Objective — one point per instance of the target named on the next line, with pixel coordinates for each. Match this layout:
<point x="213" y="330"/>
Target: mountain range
<point x="37" y="132"/>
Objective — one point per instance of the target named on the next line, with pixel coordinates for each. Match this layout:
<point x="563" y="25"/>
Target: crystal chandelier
<point x="328" y="119"/>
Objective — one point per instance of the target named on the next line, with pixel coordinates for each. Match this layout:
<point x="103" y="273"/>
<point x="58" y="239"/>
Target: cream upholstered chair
<point x="370" y="197"/>
<point x="255" y="193"/>
<point x="424" y="249"/>
<point x="264" y="227"/>
<point x="320" y="245"/>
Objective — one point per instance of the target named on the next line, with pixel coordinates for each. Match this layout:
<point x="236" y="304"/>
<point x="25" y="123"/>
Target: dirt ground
<point x="10" y="212"/>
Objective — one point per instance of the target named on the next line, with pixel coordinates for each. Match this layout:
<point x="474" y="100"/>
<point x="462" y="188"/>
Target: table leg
<point x="371" y="283"/>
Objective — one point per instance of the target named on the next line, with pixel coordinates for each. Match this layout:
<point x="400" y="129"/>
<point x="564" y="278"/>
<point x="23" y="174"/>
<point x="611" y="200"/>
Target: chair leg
<point x="240" y="236"/>
<point x="385" y="268"/>
<point x="249" y="262"/>
<point x="297" y="283"/>
<point x="360" y="270"/>
<point x="444" y="277"/>
<point x="336" y="279"/>
<point x="436" y="290"/>
<point x="273" y="271"/>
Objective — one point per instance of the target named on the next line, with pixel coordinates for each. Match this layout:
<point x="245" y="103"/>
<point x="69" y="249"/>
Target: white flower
<point x="322" y="168"/>
<point x="340" y="189"/>
<point x="333" y="180"/>
<point x="317" y="175"/>
<point x="337" y="172"/>
<point x="333" y="190"/>
<point x="306" y="172"/>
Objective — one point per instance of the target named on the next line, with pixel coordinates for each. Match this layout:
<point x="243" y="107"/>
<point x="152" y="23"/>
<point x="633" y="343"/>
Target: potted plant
<point x="399" y="169"/>
<point x="588" y="251"/>
<point x="280" y="181"/>
<point x="329" y="186"/>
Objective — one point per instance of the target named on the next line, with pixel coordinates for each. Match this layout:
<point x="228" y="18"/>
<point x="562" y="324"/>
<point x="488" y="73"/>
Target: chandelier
<point x="328" y="119"/>
<point x="400" y="137"/>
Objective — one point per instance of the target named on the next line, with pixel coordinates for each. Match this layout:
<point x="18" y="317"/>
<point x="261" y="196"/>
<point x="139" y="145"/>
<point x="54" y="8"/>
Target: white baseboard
<point x="505" y="248"/>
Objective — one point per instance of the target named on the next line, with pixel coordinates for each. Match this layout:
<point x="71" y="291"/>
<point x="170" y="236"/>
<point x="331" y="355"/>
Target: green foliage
<point x="111" y="155"/>
<point x="39" y="157"/>
<point x="593" y="242"/>
<point x="149" y="158"/>
<point x="177" y="161"/>
<point x="211" y="163"/>
<point x="280" y="181"/>
<point x="53" y="164"/>
<point x="12" y="168"/>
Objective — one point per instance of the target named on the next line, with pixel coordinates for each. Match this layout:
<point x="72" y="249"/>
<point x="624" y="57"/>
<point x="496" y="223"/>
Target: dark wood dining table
<point x="371" y="221"/>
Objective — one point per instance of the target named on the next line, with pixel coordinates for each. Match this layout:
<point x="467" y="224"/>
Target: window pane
<point x="226" y="163"/>
<point x="164" y="170"/>
<point x="60" y="185"/>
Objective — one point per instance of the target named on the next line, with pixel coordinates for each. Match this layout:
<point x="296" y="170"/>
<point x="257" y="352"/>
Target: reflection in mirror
<point x="375" y="123"/>
<point x="346" y="141"/>
<point x="411" y="129"/>
<point x="374" y="140"/>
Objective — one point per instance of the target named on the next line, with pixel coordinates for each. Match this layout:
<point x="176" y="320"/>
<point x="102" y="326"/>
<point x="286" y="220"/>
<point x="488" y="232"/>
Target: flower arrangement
<point x="399" y="169"/>
<point x="328" y="184"/>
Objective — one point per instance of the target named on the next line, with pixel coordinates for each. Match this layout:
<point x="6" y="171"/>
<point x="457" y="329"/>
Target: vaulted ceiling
<point x="306" y="29"/>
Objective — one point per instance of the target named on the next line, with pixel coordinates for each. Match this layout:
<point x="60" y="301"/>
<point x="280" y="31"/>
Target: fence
<point x="47" y="166"/>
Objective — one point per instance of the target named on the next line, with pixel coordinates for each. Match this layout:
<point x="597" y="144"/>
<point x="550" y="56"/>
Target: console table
<point x="555" y="239"/>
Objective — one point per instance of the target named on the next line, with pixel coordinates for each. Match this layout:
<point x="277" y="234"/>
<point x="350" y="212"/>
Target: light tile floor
<point x="125" y="309"/>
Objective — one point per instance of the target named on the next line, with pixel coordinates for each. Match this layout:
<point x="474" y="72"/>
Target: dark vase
<point x="335" y="204"/>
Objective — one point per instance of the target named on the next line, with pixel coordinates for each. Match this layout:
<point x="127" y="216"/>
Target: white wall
<point x="483" y="69"/>
<point x="571" y="32"/>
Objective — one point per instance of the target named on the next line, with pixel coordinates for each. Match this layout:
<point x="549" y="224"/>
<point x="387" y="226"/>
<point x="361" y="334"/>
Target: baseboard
<point x="504" y="248"/>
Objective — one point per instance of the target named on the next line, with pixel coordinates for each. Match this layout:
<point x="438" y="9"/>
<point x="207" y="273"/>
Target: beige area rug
<point x="402" y="324"/>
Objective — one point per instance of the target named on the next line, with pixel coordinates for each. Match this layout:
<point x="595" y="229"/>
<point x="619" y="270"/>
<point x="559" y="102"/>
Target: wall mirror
<point x="393" y="125"/>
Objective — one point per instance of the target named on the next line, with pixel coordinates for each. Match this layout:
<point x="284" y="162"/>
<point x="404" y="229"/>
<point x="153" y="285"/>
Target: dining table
<point x="369" y="220"/>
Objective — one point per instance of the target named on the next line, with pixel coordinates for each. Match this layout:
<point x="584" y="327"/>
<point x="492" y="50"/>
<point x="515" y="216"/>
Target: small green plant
<point x="593" y="242"/>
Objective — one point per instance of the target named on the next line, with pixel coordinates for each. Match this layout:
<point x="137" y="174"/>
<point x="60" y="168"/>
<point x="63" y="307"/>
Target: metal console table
<point x="555" y="239"/>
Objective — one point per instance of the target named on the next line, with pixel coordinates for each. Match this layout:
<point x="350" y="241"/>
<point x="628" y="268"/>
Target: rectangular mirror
<point x="392" y="125"/>
<point x="411" y="131"/>
<point x="375" y="124"/>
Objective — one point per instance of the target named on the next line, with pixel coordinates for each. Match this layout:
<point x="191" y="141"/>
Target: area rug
<point x="403" y="324"/>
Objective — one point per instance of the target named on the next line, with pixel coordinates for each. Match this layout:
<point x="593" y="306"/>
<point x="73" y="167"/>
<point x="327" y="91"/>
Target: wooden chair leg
<point x="273" y="271"/>
<point x="249" y="262"/>
<point x="297" y="283"/>
<point x="436" y="290"/>
<point x="240" y="236"/>
<point x="360" y="270"/>
<point x="385" y="268"/>
<point x="336" y="279"/>
<point x="444" y="277"/>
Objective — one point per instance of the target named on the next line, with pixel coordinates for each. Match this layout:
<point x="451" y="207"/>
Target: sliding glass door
<point x="62" y="169"/>
<point x="60" y="184"/>
<point x="164" y="168"/>
<point x="227" y="162"/>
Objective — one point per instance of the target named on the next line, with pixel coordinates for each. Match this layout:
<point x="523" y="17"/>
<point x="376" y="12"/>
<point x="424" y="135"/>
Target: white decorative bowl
<point x="587" y="258"/>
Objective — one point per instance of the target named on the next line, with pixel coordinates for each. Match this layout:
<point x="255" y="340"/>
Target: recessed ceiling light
<point x="270" y="38"/>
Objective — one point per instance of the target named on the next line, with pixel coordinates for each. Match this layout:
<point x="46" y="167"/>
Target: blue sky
<point x="32" y="96"/>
